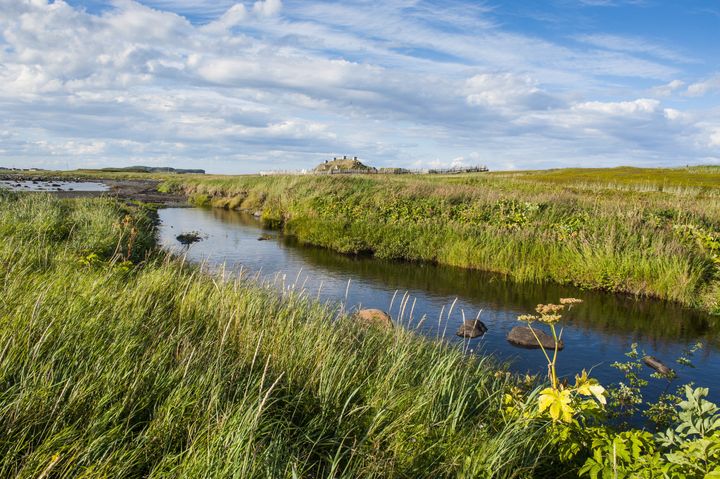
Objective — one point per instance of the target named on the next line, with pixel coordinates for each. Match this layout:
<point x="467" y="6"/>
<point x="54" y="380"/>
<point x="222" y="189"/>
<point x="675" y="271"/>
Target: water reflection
<point x="613" y="314"/>
<point x="52" y="185"/>
<point x="600" y="331"/>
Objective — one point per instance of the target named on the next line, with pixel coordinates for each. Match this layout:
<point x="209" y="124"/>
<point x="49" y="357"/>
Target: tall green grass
<point x="620" y="230"/>
<point x="117" y="361"/>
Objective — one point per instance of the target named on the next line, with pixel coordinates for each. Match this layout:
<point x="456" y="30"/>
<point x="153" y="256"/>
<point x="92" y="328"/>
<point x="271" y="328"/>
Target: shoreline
<point x="583" y="241"/>
<point x="127" y="190"/>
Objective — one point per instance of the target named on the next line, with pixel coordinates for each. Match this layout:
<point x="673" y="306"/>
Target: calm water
<point x="52" y="186"/>
<point x="598" y="333"/>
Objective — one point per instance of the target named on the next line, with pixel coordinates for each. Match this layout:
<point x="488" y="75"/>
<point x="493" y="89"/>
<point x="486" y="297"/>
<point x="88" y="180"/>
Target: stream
<point x="597" y="333"/>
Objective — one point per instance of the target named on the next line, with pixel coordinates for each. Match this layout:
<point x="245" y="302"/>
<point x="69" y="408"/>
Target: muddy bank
<point x="127" y="190"/>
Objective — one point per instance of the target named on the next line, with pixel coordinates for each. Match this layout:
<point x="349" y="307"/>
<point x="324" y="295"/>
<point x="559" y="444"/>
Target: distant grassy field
<point x="657" y="178"/>
<point x="646" y="232"/>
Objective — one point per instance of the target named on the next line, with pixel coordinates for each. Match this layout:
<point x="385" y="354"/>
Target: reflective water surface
<point x="52" y="185"/>
<point x="599" y="332"/>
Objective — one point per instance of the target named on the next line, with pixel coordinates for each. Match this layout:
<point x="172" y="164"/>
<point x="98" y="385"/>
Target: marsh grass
<point x="609" y="229"/>
<point x="161" y="370"/>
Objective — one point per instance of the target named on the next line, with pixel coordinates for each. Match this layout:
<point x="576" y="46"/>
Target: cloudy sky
<point x="236" y="87"/>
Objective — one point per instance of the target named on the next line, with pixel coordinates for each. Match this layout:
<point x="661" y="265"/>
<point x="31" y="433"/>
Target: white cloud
<point x="499" y="89"/>
<point x="715" y="137"/>
<point x="267" y="8"/>
<point x="234" y="84"/>
<point x="74" y="147"/>
<point x="234" y="16"/>
<point x="704" y="87"/>
<point x="668" y="88"/>
<point x="673" y="114"/>
<point x="622" y="108"/>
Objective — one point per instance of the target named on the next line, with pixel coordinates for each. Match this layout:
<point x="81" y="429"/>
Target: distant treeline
<point x="150" y="169"/>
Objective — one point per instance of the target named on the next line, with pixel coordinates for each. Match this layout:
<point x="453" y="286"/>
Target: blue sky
<point x="237" y="87"/>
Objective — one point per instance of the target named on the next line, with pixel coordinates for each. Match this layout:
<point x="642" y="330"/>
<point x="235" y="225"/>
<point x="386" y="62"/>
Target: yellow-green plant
<point x="560" y="401"/>
<point x="689" y="449"/>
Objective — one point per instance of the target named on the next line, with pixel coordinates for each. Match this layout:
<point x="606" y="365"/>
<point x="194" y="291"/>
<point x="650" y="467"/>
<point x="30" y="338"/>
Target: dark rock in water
<point x="264" y="237"/>
<point x="523" y="337"/>
<point x="186" y="239"/>
<point x="374" y="317"/>
<point x="657" y="365"/>
<point x="472" y="328"/>
<point x="55" y="185"/>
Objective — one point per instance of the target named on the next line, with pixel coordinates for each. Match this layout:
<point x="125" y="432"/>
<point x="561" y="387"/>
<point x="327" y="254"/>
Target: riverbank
<point x="649" y="233"/>
<point x="120" y="362"/>
<point x="126" y="187"/>
<point x="643" y="232"/>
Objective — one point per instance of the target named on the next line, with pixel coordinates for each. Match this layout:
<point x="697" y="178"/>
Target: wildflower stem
<point x="547" y="357"/>
<point x="553" y="377"/>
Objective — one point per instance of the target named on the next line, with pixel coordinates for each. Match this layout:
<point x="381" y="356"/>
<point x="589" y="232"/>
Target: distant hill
<point x="152" y="169"/>
<point x="343" y="163"/>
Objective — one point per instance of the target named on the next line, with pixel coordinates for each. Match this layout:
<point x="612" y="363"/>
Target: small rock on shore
<point x="374" y="317"/>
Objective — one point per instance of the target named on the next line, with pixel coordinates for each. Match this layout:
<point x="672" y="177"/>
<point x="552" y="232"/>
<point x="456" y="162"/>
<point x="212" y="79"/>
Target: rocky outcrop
<point x="374" y="317"/>
<point x="471" y="328"/>
<point x="523" y="337"/>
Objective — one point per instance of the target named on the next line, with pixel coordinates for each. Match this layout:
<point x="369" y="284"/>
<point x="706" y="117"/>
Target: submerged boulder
<point x="523" y="337"/>
<point x="186" y="239"/>
<point x="471" y="328"/>
<point x="374" y="317"/>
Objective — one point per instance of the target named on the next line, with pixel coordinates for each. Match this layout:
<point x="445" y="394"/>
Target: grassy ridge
<point x="644" y="232"/>
<point x="118" y="362"/>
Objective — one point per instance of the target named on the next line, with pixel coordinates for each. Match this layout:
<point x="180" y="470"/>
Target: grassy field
<point x="117" y="361"/>
<point x="646" y="232"/>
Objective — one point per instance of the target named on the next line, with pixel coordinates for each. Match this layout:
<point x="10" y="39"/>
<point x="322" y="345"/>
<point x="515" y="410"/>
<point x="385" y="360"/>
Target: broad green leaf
<point x="557" y="403"/>
<point x="590" y="387"/>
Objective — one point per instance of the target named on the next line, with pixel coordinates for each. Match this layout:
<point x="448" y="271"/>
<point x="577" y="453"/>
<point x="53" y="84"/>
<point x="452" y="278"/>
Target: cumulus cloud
<point x="242" y="86"/>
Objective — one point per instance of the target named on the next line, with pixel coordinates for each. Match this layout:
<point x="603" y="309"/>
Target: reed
<point x="119" y="361"/>
<point x="646" y="232"/>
